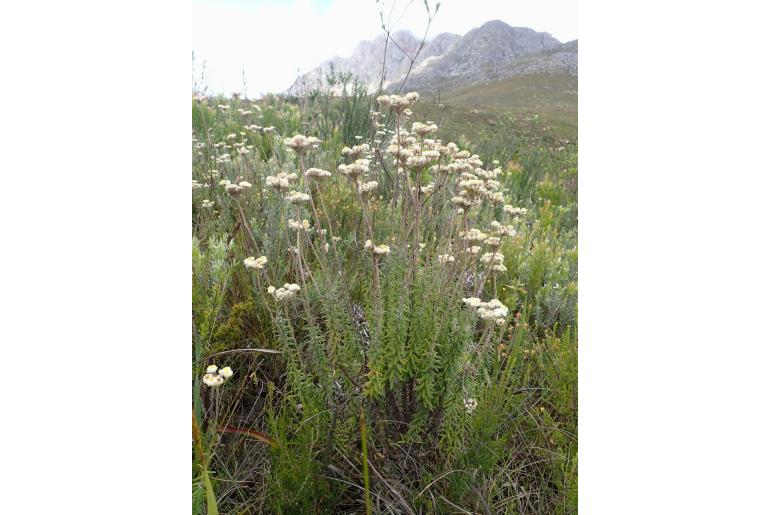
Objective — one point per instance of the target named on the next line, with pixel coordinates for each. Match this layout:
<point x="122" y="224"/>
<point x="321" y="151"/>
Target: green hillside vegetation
<point x="551" y="98"/>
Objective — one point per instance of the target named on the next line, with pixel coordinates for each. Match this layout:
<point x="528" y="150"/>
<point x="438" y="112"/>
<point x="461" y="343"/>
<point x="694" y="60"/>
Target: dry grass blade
<point x="257" y="435"/>
<point x="398" y="495"/>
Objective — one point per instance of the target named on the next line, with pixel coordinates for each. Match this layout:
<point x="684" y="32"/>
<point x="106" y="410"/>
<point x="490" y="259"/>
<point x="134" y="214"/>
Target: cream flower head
<point x="304" y="225"/>
<point x="297" y="197"/>
<point x="514" y="211"/>
<point x="493" y="311"/>
<point x="398" y="103"/>
<point x="286" y="292"/>
<point x="356" y="152"/>
<point x="317" y="173"/>
<point x="355" y="170"/>
<point x="368" y="187"/>
<point x="380" y="250"/>
<point x="300" y="143"/>
<point x="282" y="181"/>
<point x="257" y="263"/>
<point x="473" y="302"/>
<point x="210" y="380"/>
<point x="234" y="189"/>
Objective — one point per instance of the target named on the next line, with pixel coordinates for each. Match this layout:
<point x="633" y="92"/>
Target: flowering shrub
<point x="394" y="344"/>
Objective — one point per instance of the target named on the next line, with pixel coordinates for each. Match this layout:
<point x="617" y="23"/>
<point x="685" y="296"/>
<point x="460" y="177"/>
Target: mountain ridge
<point x="492" y="51"/>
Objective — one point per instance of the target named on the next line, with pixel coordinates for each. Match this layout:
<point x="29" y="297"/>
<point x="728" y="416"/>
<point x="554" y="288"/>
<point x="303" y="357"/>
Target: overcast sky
<point x="271" y="41"/>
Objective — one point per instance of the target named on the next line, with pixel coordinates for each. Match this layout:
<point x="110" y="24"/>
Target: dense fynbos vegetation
<point x="383" y="321"/>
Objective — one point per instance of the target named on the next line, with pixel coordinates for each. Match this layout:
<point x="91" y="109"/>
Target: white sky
<point x="274" y="40"/>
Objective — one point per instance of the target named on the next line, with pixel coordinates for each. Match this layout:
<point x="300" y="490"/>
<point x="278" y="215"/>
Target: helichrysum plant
<point x="371" y="297"/>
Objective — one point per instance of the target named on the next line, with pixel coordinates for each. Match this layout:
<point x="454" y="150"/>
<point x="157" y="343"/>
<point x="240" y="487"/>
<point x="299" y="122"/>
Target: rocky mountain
<point x="366" y="62"/>
<point x="491" y="52"/>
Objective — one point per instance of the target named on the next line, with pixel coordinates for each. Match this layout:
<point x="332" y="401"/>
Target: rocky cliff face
<point x="490" y="52"/>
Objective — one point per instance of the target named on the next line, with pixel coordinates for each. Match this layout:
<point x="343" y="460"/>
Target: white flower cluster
<point x="487" y="186"/>
<point x="514" y="211"/>
<point x="356" y="152"/>
<point x="215" y="376"/>
<point x="300" y="143"/>
<point x="297" y="197"/>
<point x="425" y="190"/>
<point x="411" y="153"/>
<point x="196" y="185"/>
<point x="380" y="250"/>
<point x="446" y="258"/>
<point x="496" y="197"/>
<point x="398" y="103"/>
<point x="496" y="259"/>
<point x="256" y="263"/>
<point x="286" y="292"/>
<point x="402" y="145"/>
<point x="368" y="187"/>
<point x="492" y="310"/>
<point x="423" y="130"/>
<point x="461" y="203"/>
<point x="207" y="204"/>
<point x="375" y="116"/>
<point x="236" y="188"/>
<point x="355" y="170"/>
<point x="418" y="159"/>
<point x="282" y="181"/>
<point x="471" y="183"/>
<point x="486" y="174"/>
<point x="317" y="173"/>
<point x="474" y="235"/>
<point x="462" y="160"/>
<point x="304" y="225"/>
<point x="502" y="230"/>
<point x="470" y="405"/>
<point x="472" y="190"/>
